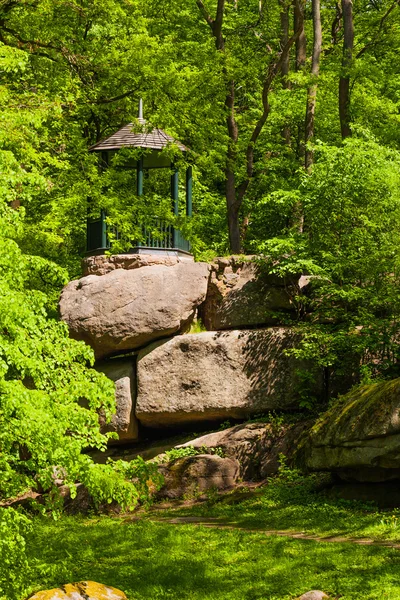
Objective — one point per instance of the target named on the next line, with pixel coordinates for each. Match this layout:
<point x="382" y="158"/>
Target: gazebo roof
<point x="126" y="137"/>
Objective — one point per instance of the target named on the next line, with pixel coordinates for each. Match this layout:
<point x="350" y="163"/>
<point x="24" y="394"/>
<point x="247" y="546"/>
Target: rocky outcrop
<point x="240" y="295"/>
<point x="124" y="422"/>
<point x="100" y="265"/>
<point x="89" y="590"/>
<point x="255" y="446"/>
<point x="359" y="438"/>
<point x="191" y="476"/>
<point x="126" y="309"/>
<point x="217" y="375"/>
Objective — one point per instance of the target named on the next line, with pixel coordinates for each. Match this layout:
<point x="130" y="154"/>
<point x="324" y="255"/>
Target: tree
<point x="344" y="81"/>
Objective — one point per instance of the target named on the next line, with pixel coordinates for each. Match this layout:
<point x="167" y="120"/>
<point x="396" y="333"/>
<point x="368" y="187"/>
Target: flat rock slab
<point x="124" y="422"/>
<point x="126" y="309"/>
<point x="100" y="265"/>
<point x="84" y="590"/>
<point x="217" y="375"/>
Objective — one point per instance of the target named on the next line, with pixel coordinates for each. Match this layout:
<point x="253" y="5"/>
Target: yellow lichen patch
<point x="72" y="591"/>
<point x="55" y="594"/>
<point x="84" y="590"/>
<point x="97" y="591"/>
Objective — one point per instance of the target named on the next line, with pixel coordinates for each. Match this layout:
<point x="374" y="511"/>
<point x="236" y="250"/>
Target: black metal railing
<point x="157" y="234"/>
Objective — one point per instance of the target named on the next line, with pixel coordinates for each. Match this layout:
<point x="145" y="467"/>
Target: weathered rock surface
<point x="126" y="309"/>
<point x="84" y="590"/>
<point x="124" y="422"/>
<point x="256" y="446"/>
<point x="100" y="265"/>
<point x="191" y="476"/>
<point x="314" y="595"/>
<point x="359" y="438"/>
<point x="239" y="295"/>
<point x="217" y="375"/>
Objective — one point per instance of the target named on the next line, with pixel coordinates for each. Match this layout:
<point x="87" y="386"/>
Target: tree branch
<point x="205" y="14"/>
<point x="273" y="69"/>
<point x="115" y="98"/>
<point x="381" y="24"/>
<point x="217" y="25"/>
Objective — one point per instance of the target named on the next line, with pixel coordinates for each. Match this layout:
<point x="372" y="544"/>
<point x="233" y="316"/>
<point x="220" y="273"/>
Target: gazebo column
<point x="175" y="198"/>
<point x="189" y="186"/>
<point x="103" y="229"/>
<point x="139" y="177"/>
<point x="105" y="161"/>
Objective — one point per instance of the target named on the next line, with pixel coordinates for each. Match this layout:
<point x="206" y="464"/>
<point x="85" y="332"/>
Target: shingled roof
<point x="127" y="138"/>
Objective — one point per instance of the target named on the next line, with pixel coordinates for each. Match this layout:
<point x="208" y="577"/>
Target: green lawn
<point x="151" y="561"/>
<point x="294" y="507"/>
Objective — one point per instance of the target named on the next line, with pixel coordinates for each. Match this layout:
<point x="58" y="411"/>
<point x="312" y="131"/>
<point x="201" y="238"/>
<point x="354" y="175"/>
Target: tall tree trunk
<point x="301" y="45"/>
<point x="344" y="82"/>
<point x="286" y="62"/>
<point x="312" y="90"/>
<point x="234" y="193"/>
<point x="232" y="205"/>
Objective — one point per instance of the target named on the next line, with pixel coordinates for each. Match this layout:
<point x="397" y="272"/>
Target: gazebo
<point x="169" y="240"/>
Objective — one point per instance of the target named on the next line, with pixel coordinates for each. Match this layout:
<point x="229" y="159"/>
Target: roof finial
<point x="140" y="108"/>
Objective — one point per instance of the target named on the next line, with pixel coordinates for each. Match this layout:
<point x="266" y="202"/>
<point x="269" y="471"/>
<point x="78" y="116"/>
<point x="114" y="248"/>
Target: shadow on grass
<point x="152" y="561"/>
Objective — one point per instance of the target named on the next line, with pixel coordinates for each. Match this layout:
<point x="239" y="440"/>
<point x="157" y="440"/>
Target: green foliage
<point x="14" y="566"/>
<point x="197" y="327"/>
<point x="170" y="456"/>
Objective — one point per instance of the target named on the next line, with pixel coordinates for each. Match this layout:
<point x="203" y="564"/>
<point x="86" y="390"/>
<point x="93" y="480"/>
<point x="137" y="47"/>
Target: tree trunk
<point x="312" y="90"/>
<point x="235" y="244"/>
<point x="232" y="204"/>
<point x="285" y="67"/>
<point x="301" y="46"/>
<point x="344" y="82"/>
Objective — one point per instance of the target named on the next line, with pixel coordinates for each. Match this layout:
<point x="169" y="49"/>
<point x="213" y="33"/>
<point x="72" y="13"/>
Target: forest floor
<point x="275" y="543"/>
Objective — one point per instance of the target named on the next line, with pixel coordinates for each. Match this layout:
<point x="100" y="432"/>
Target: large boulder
<point x="218" y="375"/>
<point x="359" y="437"/>
<point x="256" y="446"/>
<point x="192" y="476"/>
<point x="84" y="590"/>
<point x="126" y="309"/>
<point x="240" y="295"/>
<point x="123" y="422"/>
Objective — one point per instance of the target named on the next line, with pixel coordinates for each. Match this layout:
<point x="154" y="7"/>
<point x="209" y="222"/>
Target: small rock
<point x="314" y="595"/>
<point x="192" y="476"/>
<point x="84" y="590"/>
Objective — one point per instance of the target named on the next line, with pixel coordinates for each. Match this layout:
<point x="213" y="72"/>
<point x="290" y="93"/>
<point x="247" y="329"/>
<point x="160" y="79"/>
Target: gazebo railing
<point x="157" y="234"/>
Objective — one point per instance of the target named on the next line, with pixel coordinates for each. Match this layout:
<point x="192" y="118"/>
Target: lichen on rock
<point x="84" y="590"/>
<point x="359" y="437"/>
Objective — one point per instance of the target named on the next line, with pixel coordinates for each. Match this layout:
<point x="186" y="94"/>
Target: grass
<point x="295" y="507"/>
<point x="151" y="561"/>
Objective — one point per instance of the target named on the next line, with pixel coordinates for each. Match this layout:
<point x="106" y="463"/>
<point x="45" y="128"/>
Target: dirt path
<point x="215" y="523"/>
